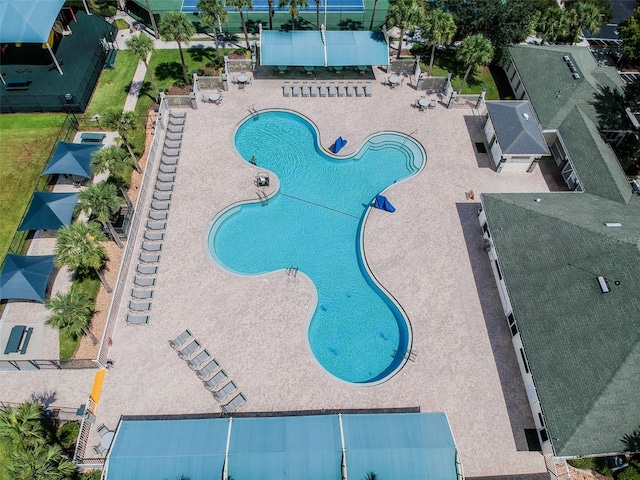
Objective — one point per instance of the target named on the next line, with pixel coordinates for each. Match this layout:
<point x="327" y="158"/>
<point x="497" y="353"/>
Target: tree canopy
<point x="629" y="33"/>
<point x="176" y="27"/>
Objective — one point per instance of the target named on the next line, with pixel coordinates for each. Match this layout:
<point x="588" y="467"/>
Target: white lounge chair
<point x="216" y="380"/>
<point x="234" y="404"/>
<point x="162" y="196"/>
<point x="157" y="215"/>
<point x="166" y="160"/>
<point x="146" y="270"/>
<point x="141" y="294"/>
<point x="177" y="114"/>
<point x="164" y="187"/>
<point x="161" y="206"/>
<point x="176" y="121"/>
<point x="286" y="89"/>
<point x="196" y="362"/>
<point x="153" y="236"/>
<point x="225" y="391"/>
<point x="144" y="282"/>
<point x="174" y="137"/>
<point x="137" y="319"/>
<point x="139" y="306"/>
<point x="180" y="339"/>
<point x="189" y="349"/>
<point x="296" y="89"/>
<point x="314" y="89"/>
<point x="367" y="89"/>
<point x="99" y="449"/>
<point x="167" y="168"/>
<point x="151" y="247"/>
<point x="324" y="91"/>
<point x="166" y="177"/>
<point x="342" y="92"/>
<point x="153" y="225"/>
<point x="333" y="91"/>
<point x="208" y="369"/>
<point x="172" y="144"/>
<point x="169" y="152"/>
<point x="306" y="91"/>
<point x="175" y="128"/>
<point x="148" y="258"/>
<point x="359" y="90"/>
<point x="351" y="91"/>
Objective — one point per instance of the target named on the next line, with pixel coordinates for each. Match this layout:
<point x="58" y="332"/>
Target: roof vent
<point x="604" y="286"/>
<point x="613" y="224"/>
<point x="576" y="76"/>
<point x="525" y="115"/>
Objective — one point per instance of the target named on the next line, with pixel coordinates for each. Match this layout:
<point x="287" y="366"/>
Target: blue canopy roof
<point x="306" y="48"/>
<point x="49" y="211"/>
<point x="71" y="159"/>
<point x="25" y="277"/>
<point x="27" y="22"/>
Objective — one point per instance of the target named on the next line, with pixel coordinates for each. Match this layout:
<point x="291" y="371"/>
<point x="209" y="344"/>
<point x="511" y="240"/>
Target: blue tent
<point x="338" y="144"/>
<point x="382" y="203"/>
<point x="25" y="277"/>
<point x="49" y="211"/>
<point x="71" y="159"/>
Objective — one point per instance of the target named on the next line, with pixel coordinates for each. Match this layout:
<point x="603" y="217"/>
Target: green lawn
<point x="113" y="85"/>
<point x="3" y="462"/>
<point x="26" y="140"/>
<point x="167" y="67"/>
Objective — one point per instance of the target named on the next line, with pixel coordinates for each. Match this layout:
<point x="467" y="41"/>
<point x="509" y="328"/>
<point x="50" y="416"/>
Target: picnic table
<point x="18" y="340"/>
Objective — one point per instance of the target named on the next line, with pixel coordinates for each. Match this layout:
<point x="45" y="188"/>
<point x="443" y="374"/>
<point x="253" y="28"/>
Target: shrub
<point x="68" y="434"/>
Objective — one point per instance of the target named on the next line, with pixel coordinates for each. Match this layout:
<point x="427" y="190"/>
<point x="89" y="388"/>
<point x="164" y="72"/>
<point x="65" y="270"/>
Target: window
<point x="512" y="325"/>
<point x="492" y="141"/>
<point x="498" y="269"/>
<point x="524" y="361"/>
<point x="544" y="436"/>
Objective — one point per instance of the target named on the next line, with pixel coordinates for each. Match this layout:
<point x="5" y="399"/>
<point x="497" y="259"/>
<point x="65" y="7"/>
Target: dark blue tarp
<point x="382" y="203"/>
<point x="25" y="277"/>
<point x="27" y="22"/>
<point x="339" y="143"/>
<point x="49" y="211"/>
<point x="71" y="159"/>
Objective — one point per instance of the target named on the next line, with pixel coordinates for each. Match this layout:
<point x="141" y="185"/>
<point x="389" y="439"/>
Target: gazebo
<point x="25" y="277"/>
<point x="49" y="211"/>
<point x="71" y="159"/>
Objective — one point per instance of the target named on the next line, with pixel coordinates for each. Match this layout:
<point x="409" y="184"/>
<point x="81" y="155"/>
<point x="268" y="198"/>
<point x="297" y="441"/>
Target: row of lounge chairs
<point x="149" y="257"/>
<point x="327" y="89"/>
<point x="207" y="369"/>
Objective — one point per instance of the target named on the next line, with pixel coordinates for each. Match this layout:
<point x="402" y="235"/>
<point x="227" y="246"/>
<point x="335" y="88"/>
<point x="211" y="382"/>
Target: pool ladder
<point x="292" y="271"/>
<point x="264" y="200"/>
<point x="253" y="112"/>
<point x="408" y="355"/>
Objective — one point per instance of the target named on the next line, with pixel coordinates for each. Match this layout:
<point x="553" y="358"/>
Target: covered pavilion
<point x="25" y="277"/>
<point x="49" y="211"/>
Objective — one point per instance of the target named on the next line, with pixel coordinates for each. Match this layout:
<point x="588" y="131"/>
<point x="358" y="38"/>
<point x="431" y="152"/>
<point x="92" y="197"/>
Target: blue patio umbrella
<point x="25" y="277"/>
<point x="382" y="203"/>
<point x="71" y="159"/>
<point x="49" y="211"/>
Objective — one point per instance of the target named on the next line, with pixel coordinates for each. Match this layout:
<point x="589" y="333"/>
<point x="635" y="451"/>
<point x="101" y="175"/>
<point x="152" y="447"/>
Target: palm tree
<point x="213" y="11"/>
<point x="583" y="16"/>
<point x="101" y="201"/>
<point x="239" y="5"/>
<point x="44" y="462"/>
<point x="78" y="247"/>
<point x="293" y="9"/>
<point x="72" y="312"/>
<point x="114" y="160"/>
<point x="22" y="426"/>
<point x="475" y="50"/>
<point x="176" y="27"/>
<point x="439" y="29"/>
<point x="123" y="123"/>
<point x="142" y="46"/>
<point x="153" y="20"/>
<point x="553" y="24"/>
<point x="404" y="14"/>
<point x="373" y="14"/>
<point x="318" y="14"/>
<point x="271" y="12"/>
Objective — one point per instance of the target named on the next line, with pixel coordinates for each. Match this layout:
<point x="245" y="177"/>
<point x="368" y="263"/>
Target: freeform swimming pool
<point x="314" y="223"/>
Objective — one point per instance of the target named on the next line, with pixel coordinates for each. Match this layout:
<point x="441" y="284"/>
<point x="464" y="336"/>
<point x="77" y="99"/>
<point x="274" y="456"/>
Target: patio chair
<point x="234" y="404"/>
<point x="359" y="90"/>
<point x="137" y="319"/>
<point x="158" y="215"/>
<point x="164" y="187"/>
<point x="286" y="89"/>
<point x="225" y="391"/>
<point x="351" y="91"/>
<point x="141" y="294"/>
<point x="176" y="121"/>
<point x="99" y="449"/>
<point x="168" y="160"/>
<point x="174" y="136"/>
<point x="160" y="205"/>
<point x="139" y="306"/>
<point x="333" y="91"/>
<point x="367" y="89"/>
<point x="196" y="362"/>
<point x="144" y="282"/>
<point x="180" y="339"/>
<point x="342" y="91"/>
<point x="167" y="168"/>
<point x="216" y="380"/>
<point x="166" y="177"/>
<point x="324" y="91"/>
<point x="171" y="144"/>
<point x="162" y="196"/>
<point x="432" y="104"/>
<point x="189" y="349"/>
<point x="208" y="369"/>
<point x="175" y="128"/>
<point x="153" y="225"/>
<point x="148" y="258"/>
<point x="296" y="89"/>
<point x="306" y="91"/>
<point x="177" y="114"/>
<point x="169" y="152"/>
<point x="146" y="269"/>
<point x="314" y="89"/>
<point x="151" y="247"/>
<point x="102" y="429"/>
<point x="153" y="236"/>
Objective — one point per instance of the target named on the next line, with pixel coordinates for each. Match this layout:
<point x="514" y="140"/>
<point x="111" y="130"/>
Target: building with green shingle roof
<point x="566" y="265"/>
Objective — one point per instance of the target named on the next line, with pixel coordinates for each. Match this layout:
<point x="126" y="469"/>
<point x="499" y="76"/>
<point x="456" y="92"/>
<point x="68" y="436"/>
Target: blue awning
<point x="71" y="159"/>
<point x="25" y="277"/>
<point x="49" y="211"/>
<point x="27" y="22"/>
<point x="347" y="48"/>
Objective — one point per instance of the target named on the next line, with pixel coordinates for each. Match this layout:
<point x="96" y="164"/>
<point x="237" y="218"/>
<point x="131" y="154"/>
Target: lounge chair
<point x="137" y="319"/>
<point x="296" y="89"/>
<point x="432" y="104"/>
<point x="174" y="137"/>
<point x="170" y="152"/>
<point x="158" y="215"/>
<point x="351" y="91"/>
<point x="144" y="282"/>
<point x="216" y="380"/>
<point x="324" y="91"/>
<point x="305" y="89"/>
<point x="148" y="258"/>
<point x="164" y="160"/>
<point x="189" y="349"/>
<point x="153" y="236"/>
<point x="196" y="362"/>
<point x="167" y="168"/>
<point x="102" y="429"/>
<point x="177" y="114"/>
<point x="151" y="247"/>
<point x="234" y="404"/>
<point x="225" y="391"/>
<point x="166" y="177"/>
<point x="153" y="225"/>
<point x="314" y="89"/>
<point x="160" y="205"/>
<point x="175" y="128"/>
<point x="342" y="92"/>
<point x="176" y="121"/>
<point x="99" y="449"/>
<point x="164" y="187"/>
<point x="208" y="369"/>
<point x="359" y="90"/>
<point x="172" y="144"/>
<point x="286" y="89"/>
<point x="146" y="269"/>
<point x="333" y="91"/>
<point x="162" y="196"/>
<point x="139" y="306"/>
<point x="367" y="89"/>
<point x="141" y="294"/>
<point x="180" y="339"/>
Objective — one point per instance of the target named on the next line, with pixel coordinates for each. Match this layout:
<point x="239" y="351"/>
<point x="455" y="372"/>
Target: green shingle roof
<point x="583" y="346"/>
<point x="567" y="104"/>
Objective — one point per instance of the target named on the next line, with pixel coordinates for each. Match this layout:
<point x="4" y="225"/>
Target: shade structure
<point x="49" y="211"/>
<point x="71" y="159"/>
<point x="27" y="22"/>
<point x="382" y="203"/>
<point x="25" y="277"/>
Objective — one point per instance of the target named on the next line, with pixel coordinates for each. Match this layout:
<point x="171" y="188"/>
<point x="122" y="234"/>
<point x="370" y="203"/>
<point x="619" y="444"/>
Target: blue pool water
<point x="314" y="223"/>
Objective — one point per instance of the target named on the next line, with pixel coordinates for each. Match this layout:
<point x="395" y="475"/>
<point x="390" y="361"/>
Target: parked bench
<point x="17" y="83"/>
<point x="109" y="63"/>
<point x="18" y="340"/>
<point x="88" y="137"/>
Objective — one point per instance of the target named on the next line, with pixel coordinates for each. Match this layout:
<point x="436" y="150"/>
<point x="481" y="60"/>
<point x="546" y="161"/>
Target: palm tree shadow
<point x="168" y="70"/>
<point x="610" y="108"/>
<point x="199" y="54"/>
<point x="45" y="398"/>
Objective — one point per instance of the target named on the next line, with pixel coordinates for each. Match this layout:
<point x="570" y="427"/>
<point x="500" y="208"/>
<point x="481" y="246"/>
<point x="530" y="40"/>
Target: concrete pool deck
<point x="428" y="254"/>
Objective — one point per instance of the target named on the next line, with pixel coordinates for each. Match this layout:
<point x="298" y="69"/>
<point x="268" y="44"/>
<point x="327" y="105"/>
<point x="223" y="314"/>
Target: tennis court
<point x="190" y="6"/>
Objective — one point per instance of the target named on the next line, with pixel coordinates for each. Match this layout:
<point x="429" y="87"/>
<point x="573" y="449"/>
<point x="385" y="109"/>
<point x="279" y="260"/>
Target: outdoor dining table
<point x="242" y="79"/>
<point x="394" y="80"/>
<point x="423" y="102"/>
<point x="214" y="97"/>
<point x="107" y="439"/>
<point x="362" y="68"/>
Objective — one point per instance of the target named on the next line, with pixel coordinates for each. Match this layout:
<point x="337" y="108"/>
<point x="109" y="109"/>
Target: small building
<point x="514" y="136"/>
